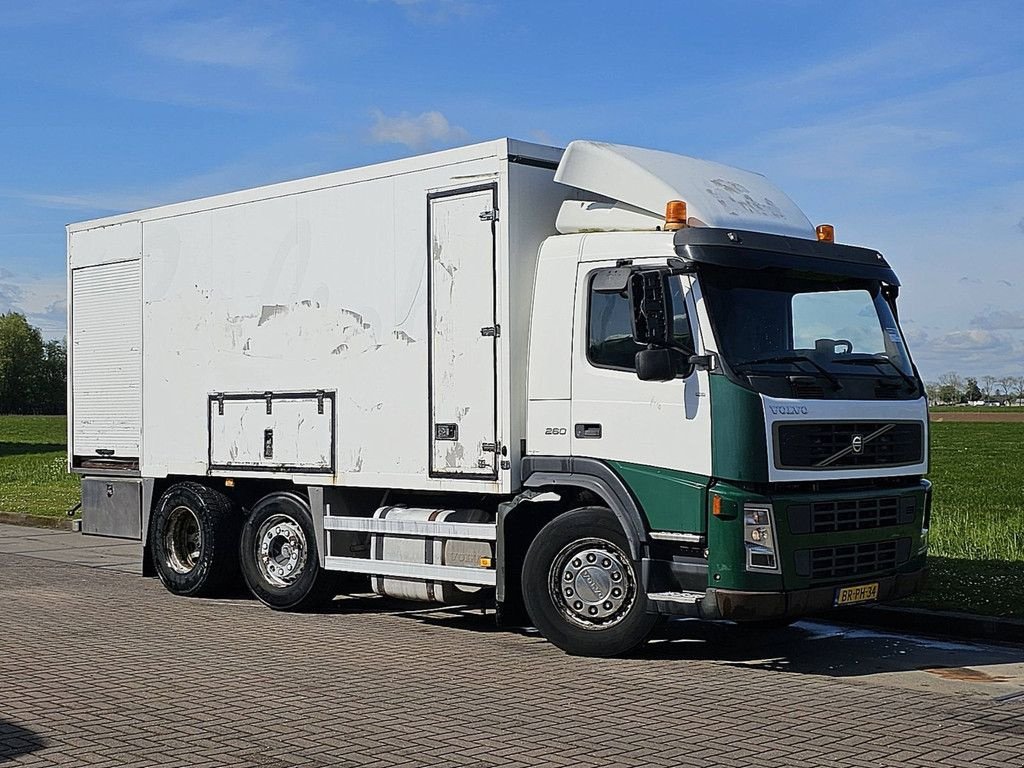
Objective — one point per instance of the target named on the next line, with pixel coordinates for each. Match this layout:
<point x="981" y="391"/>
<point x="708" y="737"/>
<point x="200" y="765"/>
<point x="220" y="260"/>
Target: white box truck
<point x="590" y="386"/>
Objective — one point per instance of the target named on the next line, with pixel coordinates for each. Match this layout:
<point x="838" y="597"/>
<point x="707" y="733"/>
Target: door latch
<point x="491" y="330"/>
<point x="491" y="215"/>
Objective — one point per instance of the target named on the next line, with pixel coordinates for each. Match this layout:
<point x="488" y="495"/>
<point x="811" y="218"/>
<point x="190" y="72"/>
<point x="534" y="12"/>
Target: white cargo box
<point x="362" y="328"/>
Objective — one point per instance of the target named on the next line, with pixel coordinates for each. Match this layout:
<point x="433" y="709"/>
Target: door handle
<point x="588" y="431"/>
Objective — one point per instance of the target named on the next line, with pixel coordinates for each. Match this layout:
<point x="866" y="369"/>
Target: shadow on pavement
<point x="806" y="647"/>
<point x="16" y="741"/>
<point x="821" y="648"/>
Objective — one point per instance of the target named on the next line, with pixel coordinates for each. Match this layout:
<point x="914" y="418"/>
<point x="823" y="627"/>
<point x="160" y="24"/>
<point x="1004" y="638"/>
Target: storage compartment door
<point x="106" y="363"/>
<point x="272" y="432"/>
<point x="463" y="333"/>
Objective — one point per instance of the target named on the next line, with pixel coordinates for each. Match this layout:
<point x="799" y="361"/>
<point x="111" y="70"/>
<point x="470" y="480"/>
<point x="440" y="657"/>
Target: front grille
<point x="850" y="514"/>
<point x="851" y="560"/>
<point x="846" y="444"/>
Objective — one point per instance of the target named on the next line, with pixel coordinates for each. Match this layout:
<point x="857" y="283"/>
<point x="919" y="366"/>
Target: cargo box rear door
<point x="463" y="333"/>
<point x="106" y="346"/>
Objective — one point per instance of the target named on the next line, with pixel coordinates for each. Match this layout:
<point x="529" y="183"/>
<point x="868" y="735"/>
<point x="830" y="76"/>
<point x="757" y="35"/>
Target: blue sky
<point x="900" y="123"/>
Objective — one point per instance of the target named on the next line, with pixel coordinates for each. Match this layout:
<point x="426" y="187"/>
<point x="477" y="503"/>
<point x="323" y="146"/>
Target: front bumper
<point x="739" y="605"/>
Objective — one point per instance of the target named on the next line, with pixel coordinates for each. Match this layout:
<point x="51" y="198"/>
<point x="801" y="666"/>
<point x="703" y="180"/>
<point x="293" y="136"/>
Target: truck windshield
<point x="775" y="323"/>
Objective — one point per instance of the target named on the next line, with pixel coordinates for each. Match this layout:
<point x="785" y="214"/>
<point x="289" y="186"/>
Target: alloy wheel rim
<point x="280" y="550"/>
<point x="592" y="583"/>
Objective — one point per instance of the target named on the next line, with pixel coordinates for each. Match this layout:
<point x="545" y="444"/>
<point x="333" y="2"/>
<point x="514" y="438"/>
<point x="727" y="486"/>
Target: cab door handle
<point x="588" y="431"/>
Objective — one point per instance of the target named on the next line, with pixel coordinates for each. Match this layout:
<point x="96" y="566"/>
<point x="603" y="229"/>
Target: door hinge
<point x="489" y="447"/>
<point x="491" y="330"/>
<point x="491" y="215"/>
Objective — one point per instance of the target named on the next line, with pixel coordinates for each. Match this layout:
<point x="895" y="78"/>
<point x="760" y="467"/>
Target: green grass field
<point x="33" y="479"/>
<point x="977" y="532"/>
<point x="977" y="409"/>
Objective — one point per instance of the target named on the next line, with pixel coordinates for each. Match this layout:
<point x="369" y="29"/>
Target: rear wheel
<point x="279" y="556"/>
<point x="582" y="588"/>
<point x="194" y="540"/>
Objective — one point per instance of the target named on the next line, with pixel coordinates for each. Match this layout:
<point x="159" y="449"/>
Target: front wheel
<point x="581" y="587"/>
<point x="279" y="556"/>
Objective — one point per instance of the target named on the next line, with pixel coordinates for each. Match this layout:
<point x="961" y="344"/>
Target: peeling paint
<point x="403" y="336"/>
<point x="270" y="311"/>
<point x="454" y="455"/>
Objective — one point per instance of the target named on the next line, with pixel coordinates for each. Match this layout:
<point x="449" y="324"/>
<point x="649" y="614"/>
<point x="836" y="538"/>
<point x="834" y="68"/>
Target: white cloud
<point x="255" y="171"/>
<point x="41" y="300"/>
<point x="1000" y="319"/>
<point x="223" y="42"/>
<point x="429" y="129"/>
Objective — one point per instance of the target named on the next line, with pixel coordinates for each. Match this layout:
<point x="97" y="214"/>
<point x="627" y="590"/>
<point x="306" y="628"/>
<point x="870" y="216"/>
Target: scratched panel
<point x="462" y="358"/>
<point x="294" y="434"/>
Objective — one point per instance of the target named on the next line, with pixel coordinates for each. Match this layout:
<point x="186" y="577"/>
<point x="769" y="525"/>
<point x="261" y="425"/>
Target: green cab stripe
<point x="671" y="500"/>
<point x="739" y="451"/>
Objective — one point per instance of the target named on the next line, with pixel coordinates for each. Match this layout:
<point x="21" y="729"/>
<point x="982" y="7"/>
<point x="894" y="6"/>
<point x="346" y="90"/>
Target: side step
<point x="428" y="528"/>
<point x="430" y="531"/>
<point x="676" y="597"/>
<point x="420" y="571"/>
<point x="675" y="603"/>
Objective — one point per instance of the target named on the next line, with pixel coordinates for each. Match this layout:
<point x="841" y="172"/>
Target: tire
<point x="581" y="587"/>
<point x="193" y="537"/>
<point x="279" y="558"/>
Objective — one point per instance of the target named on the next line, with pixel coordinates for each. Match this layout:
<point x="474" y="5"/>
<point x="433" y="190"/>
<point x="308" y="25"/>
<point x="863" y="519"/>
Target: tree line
<point x="33" y="372"/>
<point x="952" y="389"/>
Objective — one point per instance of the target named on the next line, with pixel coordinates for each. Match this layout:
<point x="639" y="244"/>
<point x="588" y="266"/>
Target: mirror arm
<point x="703" y="362"/>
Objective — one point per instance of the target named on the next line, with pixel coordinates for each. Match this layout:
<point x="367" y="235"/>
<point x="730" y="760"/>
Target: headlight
<point x="759" y="538"/>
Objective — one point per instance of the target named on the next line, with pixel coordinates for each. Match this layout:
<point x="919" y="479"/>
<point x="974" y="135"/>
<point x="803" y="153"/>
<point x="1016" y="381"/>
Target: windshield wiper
<point x="877" y="362"/>
<point x="836" y="384"/>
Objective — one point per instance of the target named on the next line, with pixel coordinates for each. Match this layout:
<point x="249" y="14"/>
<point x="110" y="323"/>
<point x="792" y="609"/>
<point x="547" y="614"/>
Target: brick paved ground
<point x="99" y="668"/>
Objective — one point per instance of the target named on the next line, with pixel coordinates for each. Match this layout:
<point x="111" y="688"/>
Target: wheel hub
<point x="281" y="550"/>
<point x="182" y="539"/>
<point x="592" y="581"/>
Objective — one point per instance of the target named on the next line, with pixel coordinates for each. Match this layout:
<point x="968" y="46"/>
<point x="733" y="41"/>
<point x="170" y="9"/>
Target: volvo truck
<point x="588" y="387"/>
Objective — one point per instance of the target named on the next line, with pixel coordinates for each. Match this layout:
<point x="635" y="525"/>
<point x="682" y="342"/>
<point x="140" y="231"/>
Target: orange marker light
<point x="675" y="215"/>
<point x="716" y="506"/>
<point x="826" y="233"/>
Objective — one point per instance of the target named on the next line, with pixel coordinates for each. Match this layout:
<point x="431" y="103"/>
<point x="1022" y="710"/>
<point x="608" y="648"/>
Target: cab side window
<point x="610" y="341"/>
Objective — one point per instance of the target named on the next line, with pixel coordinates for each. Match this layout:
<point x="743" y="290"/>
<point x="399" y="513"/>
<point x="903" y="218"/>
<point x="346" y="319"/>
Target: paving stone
<point x="101" y="668"/>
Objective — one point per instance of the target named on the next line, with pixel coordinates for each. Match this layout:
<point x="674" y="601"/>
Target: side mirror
<point x="650" y="307"/>
<point x="655" y="365"/>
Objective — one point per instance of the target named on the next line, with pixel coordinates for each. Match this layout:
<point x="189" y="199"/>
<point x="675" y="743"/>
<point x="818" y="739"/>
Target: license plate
<point x="862" y="593"/>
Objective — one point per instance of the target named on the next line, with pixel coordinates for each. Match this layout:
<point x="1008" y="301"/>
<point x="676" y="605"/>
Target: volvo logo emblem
<point x="856" y="446"/>
<point x="592" y="583"/>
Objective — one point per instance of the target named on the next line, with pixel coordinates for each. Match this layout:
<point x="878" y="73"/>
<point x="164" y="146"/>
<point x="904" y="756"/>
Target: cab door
<point x="655" y="434"/>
